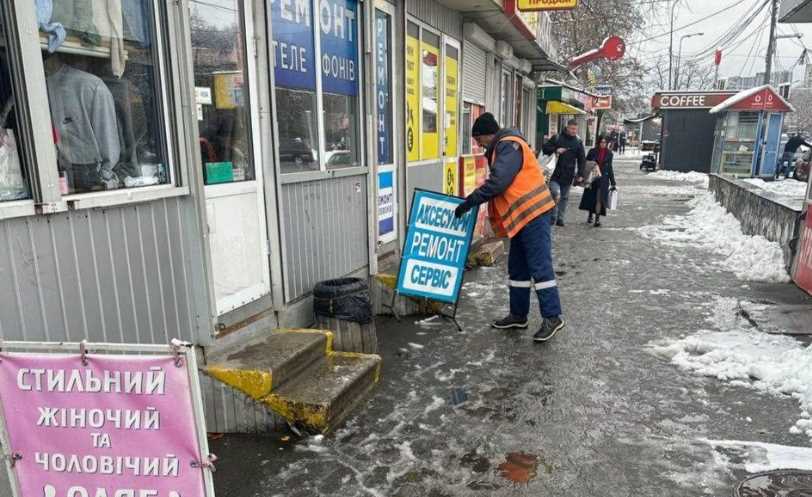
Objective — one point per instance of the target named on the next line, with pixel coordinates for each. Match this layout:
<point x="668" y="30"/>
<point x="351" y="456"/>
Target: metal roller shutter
<point x="474" y="68"/>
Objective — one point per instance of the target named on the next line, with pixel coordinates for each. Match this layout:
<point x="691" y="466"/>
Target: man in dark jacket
<point x="790" y="149"/>
<point x="520" y="207"/>
<point x="570" y="166"/>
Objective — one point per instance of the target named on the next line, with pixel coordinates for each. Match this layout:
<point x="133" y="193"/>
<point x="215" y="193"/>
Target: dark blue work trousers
<point x="530" y="265"/>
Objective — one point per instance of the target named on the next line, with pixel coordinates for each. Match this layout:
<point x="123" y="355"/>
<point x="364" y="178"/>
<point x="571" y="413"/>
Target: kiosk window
<point x="339" y="80"/>
<point x="294" y="61"/>
<point x="221" y="90"/>
<point x="13" y="180"/>
<point x="430" y="82"/>
<point x="103" y="75"/>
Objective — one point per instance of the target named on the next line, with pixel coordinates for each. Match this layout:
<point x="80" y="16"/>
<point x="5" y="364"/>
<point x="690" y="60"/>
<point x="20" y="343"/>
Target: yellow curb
<point x="388" y="280"/>
<point x="313" y="416"/>
<point x="256" y="384"/>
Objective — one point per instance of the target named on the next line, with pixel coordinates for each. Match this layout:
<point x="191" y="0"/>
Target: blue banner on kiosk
<point x="339" y="46"/>
<point x="436" y="248"/>
<point x="294" y="51"/>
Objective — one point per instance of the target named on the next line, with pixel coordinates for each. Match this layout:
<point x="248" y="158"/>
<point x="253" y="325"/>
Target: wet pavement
<point x="593" y="413"/>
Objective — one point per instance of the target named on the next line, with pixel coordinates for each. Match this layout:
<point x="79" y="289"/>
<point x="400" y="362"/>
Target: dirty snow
<point x="743" y="356"/>
<point x="756" y="457"/>
<point x="689" y="177"/>
<point x="785" y="188"/>
<point x="709" y="226"/>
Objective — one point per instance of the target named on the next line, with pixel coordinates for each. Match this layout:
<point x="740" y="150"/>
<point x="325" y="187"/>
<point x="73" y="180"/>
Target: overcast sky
<point x="746" y="56"/>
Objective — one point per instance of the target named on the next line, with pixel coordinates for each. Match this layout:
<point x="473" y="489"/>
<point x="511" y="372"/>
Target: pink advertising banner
<point x="116" y="426"/>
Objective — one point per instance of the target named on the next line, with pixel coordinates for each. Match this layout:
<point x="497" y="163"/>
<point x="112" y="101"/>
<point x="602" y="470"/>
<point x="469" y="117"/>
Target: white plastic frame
<point x="184" y="349"/>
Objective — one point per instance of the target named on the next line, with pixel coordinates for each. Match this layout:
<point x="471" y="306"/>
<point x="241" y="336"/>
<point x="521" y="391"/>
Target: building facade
<point x="191" y="169"/>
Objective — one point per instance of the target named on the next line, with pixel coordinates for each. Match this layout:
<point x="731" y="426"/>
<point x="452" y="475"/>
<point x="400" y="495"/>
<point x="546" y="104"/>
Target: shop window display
<point x="13" y="180"/>
<point x="103" y="76"/>
<point x="294" y="62"/>
<point x="339" y="79"/>
<point x="221" y="91"/>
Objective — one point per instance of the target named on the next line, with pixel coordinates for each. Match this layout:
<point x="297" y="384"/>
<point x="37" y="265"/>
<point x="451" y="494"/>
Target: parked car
<point x="339" y="158"/>
<point x="297" y="152"/>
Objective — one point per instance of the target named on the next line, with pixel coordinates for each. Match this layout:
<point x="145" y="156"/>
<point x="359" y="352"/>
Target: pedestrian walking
<point x="520" y="207"/>
<point x="793" y="144"/>
<point x="571" y="162"/>
<point x="622" y="143"/>
<point x="596" y="194"/>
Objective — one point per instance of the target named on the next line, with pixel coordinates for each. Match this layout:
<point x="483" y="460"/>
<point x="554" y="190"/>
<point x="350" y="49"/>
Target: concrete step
<point x="259" y="366"/>
<point x="330" y="391"/>
<point x="296" y="374"/>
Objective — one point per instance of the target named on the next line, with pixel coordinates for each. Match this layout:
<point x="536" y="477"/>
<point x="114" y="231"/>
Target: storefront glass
<point x="430" y="82"/>
<point x="13" y="180"/>
<point x="339" y="79"/>
<point x="221" y="91"/>
<point x="104" y="84"/>
<point x="739" y="135"/>
<point x="294" y="60"/>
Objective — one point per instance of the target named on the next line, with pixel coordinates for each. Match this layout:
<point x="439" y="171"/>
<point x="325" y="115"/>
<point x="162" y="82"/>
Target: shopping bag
<point x="547" y="163"/>
<point x="614" y="200"/>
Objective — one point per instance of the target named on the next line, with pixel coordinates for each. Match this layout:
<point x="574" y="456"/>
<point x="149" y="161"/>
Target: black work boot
<point x="549" y="327"/>
<point x="509" y="322"/>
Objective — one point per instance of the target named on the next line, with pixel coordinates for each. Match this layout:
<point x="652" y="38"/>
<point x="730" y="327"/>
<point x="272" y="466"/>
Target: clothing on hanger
<point x="56" y="31"/>
<point x="95" y="21"/>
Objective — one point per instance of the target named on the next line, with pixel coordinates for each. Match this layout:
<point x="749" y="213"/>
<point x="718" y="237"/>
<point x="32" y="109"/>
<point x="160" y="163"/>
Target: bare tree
<point x="695" y="76"/>
<point x="801" y="119"/>
<point x="586" y="27"/>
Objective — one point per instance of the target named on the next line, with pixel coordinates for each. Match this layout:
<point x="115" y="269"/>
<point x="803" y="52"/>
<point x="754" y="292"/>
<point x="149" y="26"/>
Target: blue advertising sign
<point x="339" y="46"/>
<point x="383" y="79"/>
<point x="294" y="50"/>
<point x="386" y="205"/>
<point x="436" y="248"/>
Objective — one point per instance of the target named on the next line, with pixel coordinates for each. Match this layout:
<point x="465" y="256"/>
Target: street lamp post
<point x="671" y="46"/>
<point x="679" y="57"/>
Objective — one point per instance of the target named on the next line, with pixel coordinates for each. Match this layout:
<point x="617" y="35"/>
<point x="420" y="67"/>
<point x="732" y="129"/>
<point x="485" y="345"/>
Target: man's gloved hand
<point x="462" y="209"/>
<point x="614" y="188"/>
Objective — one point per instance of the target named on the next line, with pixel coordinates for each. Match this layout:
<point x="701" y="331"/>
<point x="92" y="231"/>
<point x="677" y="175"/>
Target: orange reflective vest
<point x="525" y="199"/>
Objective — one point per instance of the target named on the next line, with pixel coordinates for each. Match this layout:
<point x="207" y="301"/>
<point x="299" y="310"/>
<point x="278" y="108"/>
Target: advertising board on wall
<point x="412" y="99"/>
<point x="451" y="104"/>
<point x="294" y="51"/>
<point x="339" y="46"/>
<point x="88" y="425"/>
<point x="539" y="5"/>
<point x="383" y="86"/>
<point x="387" y="231"/>
<point x="436" y="248"/>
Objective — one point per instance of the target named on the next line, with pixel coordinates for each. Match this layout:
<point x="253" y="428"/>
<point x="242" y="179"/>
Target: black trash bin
<point x="343" y="307"/>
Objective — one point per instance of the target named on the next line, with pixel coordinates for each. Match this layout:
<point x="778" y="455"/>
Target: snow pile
<point x="786" y="188"/>
<point x="690" y="177"/>
<point x="743" y="356"/>
<point x="756" y="457"/>
<point x="709" y="226"/>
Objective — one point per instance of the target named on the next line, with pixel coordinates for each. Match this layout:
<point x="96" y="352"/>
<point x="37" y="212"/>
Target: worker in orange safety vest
<point x="520" y="207"/>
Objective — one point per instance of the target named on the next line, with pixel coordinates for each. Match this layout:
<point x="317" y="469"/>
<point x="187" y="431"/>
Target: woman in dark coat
<point x="596" y="195"/>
